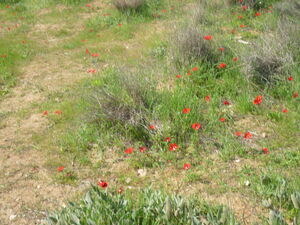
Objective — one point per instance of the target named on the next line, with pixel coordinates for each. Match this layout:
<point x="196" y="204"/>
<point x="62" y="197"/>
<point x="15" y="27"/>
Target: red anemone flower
<point x="173" y="146"/>
<point x="235" y="59"/>
<point x="60" y="169"/>
<point x="207" y="98"/>
<point x="226" y="102"/>
<point x="195" y="68"/>
<point x="152" y="127"/>
<point x="266" y="151"/>
<point x="222" y="66"/>
<point x="247" y="135"/>
<point x="58" y="112"/>
<point x="143" y="149"/>
<point x="102" y="184"/>
<point x="221" y="49"/>
<point x="240" y="17"/>
<point x="290" y="78"/>
<point x="257" y="14"/>
<point x="186" y="110"/>
<point x="222" y="119"/>
<point x="45" y="113"/>
<point x="167" y="139"/>
<point x="257" y="100"/>
<point x="238" y="133"/>
<point x="186" y="166"/>
<point x="284" y="110"/>
<point x="178" y="76"/>
<point x="196" y="126"/>
<point x="129" y="150"/>
<point x="295" y="94"/>
<point x="207" y="37"/>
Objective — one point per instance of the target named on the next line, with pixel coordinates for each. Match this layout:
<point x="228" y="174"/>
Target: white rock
<point x="12" y="217"/>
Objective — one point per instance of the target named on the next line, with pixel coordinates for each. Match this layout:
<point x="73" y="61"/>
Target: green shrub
<point x="147" y="207"/>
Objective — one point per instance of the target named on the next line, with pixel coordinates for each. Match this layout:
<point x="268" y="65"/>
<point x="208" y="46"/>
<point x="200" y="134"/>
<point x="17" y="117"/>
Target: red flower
<point x="295" y="94"/>
<point x="87" y="51"/>
<point x="119" y="24"/>
<point x="221" y="49"/>
<point x="91" y="71"/>
<point x="102" y="184"/>
<point x="195" y="68"/>
<point x="257" y="14"/>
<point x="189" y="73"/>
<point x="196" y="126"/>
<point x="186" y="110"/>
<point x="88" y="5"/>
<point x="178" y="76"/>
<point x="222" y="119"/>
<point x="207" y="37"/>
<point x="240" y="17"/>
<point x="60" y="169"/>
<point x="242" y="26"/>
<point x="143" y="149"/>
<point x="235" y="59"/>
<point x="164" y="10"/>
<point x="238" y="133"/>
<point x="45" y="113"/>
<point x="120" y="190"/>
<point x="167" y="139"/>
<point x="284" y="110"/>
<point x="129" y="150"/>
<point x="226" y="102"/>
<point x="257" y="100"/>
<point x="7" y="6"/>
<point x="58" y="112"/>
<point x="186" y="166"/>
<point x="207" y="98"/>
<point x="222" y="66"/>
<point x="152" y="127"/>
<point x="95" y="54"/>
<point x="266" y="151"/>
<point x="173" y="146"/>
<point x="244" y="7"/>
<point x="290" y="78"/>
<point x="247" y="135"/>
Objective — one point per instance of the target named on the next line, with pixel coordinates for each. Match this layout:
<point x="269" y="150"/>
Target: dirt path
<point x="26" y="186"/>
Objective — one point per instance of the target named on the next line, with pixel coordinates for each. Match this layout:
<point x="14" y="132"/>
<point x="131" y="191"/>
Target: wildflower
<point x="189" y="73"/>
<point x="45" y="113"/>
<point x="186" y="110"/>
<point x="222" y="66"/>
<point x="88" y="5"/>
<point x="221" y="49"/>
<point x="284" y="110"/>
<point x="23" y="42"/>
<point x="143" y="149"/>
<point x="60" y="169"/>
<point x="173" y="146"/>
<point x="102" y="184"/>
<point x="119" y="24"/>
<point x="235" y="59"/>
<point x="266" y="151"/>
<point x="290" y="78"/>
<point x="178" y="76"/>
<point x="195" y="68"/>
<point x="244" y="7"/>
<point x="95" y="54"/>
<point x="257" y="100"/>
<point x="238" y="133"/>
<point x="242" y="26"/>
<point x="295" y="94"/>
<point x="207" y="37"/>
<point x="196" y="126"/>
<point x="120" y="190"/>
<point x="207" y="98"/>
<point x="240" y="17"/>
<point x="87" y="51"/>
<point x="129" y="150"/>
<point x="257" y="14"/>
<point x="164" y="10"/>
<point x="91" y="71"/>
<point x="167" y="139"/>
<point x="186" y="166"/>
<point x="152" y="127"/>
<point x="222" y="119"/>
<point x="58" y="112"/>
<point x="226" y="102"/>
<point x="247" y="135"/>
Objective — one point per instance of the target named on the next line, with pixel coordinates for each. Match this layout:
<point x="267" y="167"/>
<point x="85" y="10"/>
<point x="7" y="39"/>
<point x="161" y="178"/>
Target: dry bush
<point x="123" y="5"/>
<point x="268" y="59"/>
<point x="290" y="8"/>
<point x="189" y="46"/>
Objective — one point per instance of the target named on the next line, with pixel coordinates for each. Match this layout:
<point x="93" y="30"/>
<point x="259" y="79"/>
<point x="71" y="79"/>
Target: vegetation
<point x="197" y="98"/>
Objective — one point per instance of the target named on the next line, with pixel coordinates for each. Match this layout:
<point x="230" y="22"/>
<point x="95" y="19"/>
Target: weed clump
<point x="190" y="46"/>
<point x="124" y="5"/>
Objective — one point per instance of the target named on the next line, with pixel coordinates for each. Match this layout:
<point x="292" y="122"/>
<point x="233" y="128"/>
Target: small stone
<point x="142" y="172"/>
<point x="128" y="180"/>
<point x="247" y="183"/>
<point x="12" y="217"/>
